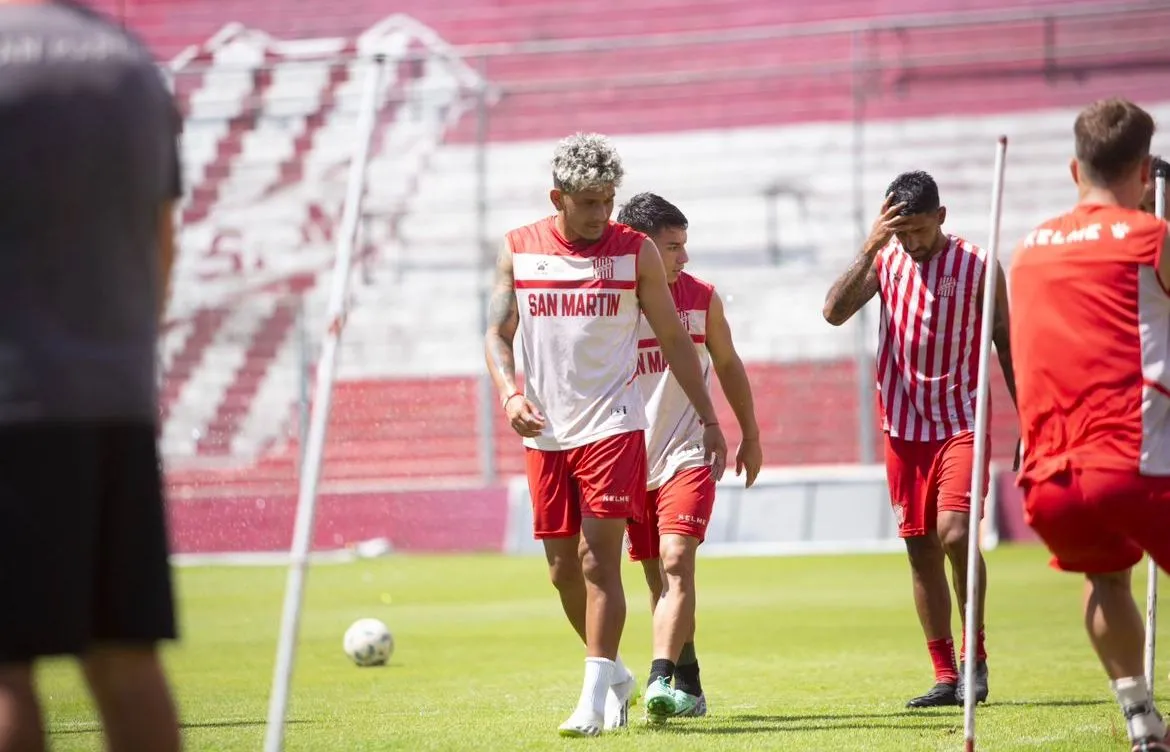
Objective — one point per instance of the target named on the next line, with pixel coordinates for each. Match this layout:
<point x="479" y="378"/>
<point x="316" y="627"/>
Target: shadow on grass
<point x="95" y="728"/>
<point x="761" y="724"/>
<point x="1054" y="703"/>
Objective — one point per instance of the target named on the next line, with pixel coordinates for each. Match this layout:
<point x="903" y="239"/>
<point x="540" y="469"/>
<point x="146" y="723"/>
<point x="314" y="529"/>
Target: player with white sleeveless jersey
<point x="931" y="287"/>
<point x="680" y="486"/>
<point x="576" y="285"/>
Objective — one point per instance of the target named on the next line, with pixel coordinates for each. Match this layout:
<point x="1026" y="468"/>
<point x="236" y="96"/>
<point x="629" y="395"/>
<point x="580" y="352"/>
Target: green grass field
<point x="797" y="654"/>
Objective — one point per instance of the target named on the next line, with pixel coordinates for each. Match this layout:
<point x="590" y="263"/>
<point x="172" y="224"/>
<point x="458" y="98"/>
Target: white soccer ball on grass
<point x="368" y="643"/>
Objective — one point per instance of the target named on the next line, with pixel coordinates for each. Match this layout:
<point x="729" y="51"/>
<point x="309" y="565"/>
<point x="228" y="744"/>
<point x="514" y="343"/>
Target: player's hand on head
<point x="749" y="457"/>
<point x="525" y="419"/>
<point x="888" y="222"/>
<point x="714" y="450"/>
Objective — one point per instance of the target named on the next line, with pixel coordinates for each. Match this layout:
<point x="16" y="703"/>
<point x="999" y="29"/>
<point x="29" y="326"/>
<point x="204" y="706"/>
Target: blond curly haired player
<point x="576" y="285"/>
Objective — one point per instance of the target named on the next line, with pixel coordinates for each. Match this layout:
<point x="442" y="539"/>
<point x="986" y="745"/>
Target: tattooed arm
<point x="859" y="283"/>
<point x="853" y="289"/>
<point x="503" y="319"/>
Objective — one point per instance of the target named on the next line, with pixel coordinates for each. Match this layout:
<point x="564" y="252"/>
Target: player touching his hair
<point x="681" y="488"/>
<point x="931" y="287"/>
<point x="576" y="285"/>
<point x="1091" y="324"/>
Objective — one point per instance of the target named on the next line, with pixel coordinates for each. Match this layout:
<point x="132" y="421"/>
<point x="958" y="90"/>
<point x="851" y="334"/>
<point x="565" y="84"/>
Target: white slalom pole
<point x="981" y="418"/>
<point x="319" y="416"/>
<point x="1152" y="572"/>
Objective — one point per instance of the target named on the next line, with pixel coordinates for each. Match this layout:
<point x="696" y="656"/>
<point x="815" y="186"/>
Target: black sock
<point x="661" y="667"/>
<point x="687" y="656"/>
<point x="686" y="679"/>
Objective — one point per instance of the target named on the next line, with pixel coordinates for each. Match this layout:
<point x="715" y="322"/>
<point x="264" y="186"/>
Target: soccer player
<point x="88" y="143"/>
<point x="1091" y="326"/>
<point x="575" y="285"/>
<point x="680" y="488"/>
<point x="931" y="287"/>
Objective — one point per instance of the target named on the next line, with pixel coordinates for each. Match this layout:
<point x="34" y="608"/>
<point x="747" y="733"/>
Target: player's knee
<point x="601" y="571"/>
<point x="565" y="573"/>
<point x="678" y="557"/>
<point x="1113" y="581"/>
<point x="954" y="542"/>
<point x="953" y="533"/>
<point x="124" y="668"/>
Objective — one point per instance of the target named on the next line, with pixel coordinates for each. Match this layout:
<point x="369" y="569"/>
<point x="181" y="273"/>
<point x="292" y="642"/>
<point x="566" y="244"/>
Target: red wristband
<point x="508" y="399"/>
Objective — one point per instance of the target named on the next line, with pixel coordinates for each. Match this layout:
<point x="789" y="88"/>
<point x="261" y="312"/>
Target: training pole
<point x="1152" y="572"/>
<point x="982" y="394"/>
<point x="294" y="591"/>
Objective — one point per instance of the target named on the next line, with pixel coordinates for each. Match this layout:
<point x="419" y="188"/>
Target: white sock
<point x="620" y="672"/>
<point x="598" y="677"/>
<point x="1133" y="695"/>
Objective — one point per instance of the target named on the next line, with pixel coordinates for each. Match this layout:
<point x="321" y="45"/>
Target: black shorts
<point x="83" y="539"/>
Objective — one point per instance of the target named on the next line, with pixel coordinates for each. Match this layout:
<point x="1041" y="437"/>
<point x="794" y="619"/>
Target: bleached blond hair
<point x="586" y="161"/>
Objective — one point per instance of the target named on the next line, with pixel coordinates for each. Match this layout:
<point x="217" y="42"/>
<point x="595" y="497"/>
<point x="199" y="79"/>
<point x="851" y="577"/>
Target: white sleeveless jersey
<point x="579" y="315"/>
<point x="674" y="441"/>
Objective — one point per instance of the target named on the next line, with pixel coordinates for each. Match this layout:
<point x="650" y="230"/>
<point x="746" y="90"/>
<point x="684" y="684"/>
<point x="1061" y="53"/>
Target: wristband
<point x="705" y="424"/>
<point x="508" y="399"/>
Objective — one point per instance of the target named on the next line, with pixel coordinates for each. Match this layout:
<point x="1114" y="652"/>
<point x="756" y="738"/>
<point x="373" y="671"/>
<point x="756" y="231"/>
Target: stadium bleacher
<point x="270" y="122"/>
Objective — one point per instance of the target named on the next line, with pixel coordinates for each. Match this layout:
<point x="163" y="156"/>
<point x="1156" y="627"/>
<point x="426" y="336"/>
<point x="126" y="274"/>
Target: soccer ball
<point x="368" y="642"/>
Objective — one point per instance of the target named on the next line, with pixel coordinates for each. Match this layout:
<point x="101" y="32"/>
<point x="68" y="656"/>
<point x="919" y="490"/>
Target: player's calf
<point x="132" y="696"/>
<point x="655" y="580"/>
<point x="21" y="727"/>
<point x="564" y="571"/>
<point x="933" y="603"/>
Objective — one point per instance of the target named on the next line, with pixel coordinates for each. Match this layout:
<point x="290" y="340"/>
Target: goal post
<point x="319" y="410"/>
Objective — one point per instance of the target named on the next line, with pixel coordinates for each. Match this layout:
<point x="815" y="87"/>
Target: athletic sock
<point x="620" y="672"/>
<point x="942" y="655"/>
<point x="661" y="667"/>
<point x="598" y="677"/>
<point x="686" y="679"/>
<point x="980" y="646"/>
<point x="1142" y="720"/>
<point x="686" y="673"/>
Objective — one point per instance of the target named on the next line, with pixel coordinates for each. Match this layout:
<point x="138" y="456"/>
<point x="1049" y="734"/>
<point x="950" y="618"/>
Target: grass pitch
<point x="796" y="653"/>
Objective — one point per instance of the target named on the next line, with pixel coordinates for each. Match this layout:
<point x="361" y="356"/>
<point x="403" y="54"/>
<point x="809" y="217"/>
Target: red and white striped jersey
<point x="928" y="345"/>
<point x="579" y="315"/>
<point x="674" y="441"/>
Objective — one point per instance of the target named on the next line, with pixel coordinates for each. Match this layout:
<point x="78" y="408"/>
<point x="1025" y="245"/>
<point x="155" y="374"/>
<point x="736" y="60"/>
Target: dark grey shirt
<point x="88" y="157"/>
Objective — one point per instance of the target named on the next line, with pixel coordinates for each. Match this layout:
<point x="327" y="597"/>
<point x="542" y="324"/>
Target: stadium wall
<point x="825" y="509"/>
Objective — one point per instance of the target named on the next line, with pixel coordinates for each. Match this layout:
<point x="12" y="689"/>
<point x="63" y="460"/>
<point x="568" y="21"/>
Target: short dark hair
<point x="651" y="213"/>
<point x="917" y="190"/>
<point x="1113" y="136"/>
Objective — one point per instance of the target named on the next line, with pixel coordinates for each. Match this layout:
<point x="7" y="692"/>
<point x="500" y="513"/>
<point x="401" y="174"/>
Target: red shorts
<point x="1100" y="521"/>
<point x="680" y="506"/>
<point x="926" y="477"/>
<point x="605" y="479"/>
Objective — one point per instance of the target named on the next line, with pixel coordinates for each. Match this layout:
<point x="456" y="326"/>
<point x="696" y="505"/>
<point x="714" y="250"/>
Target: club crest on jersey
<point x="685" y="318"/>
<point x="946" y="287"/>
<point x="603" y="267"/>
